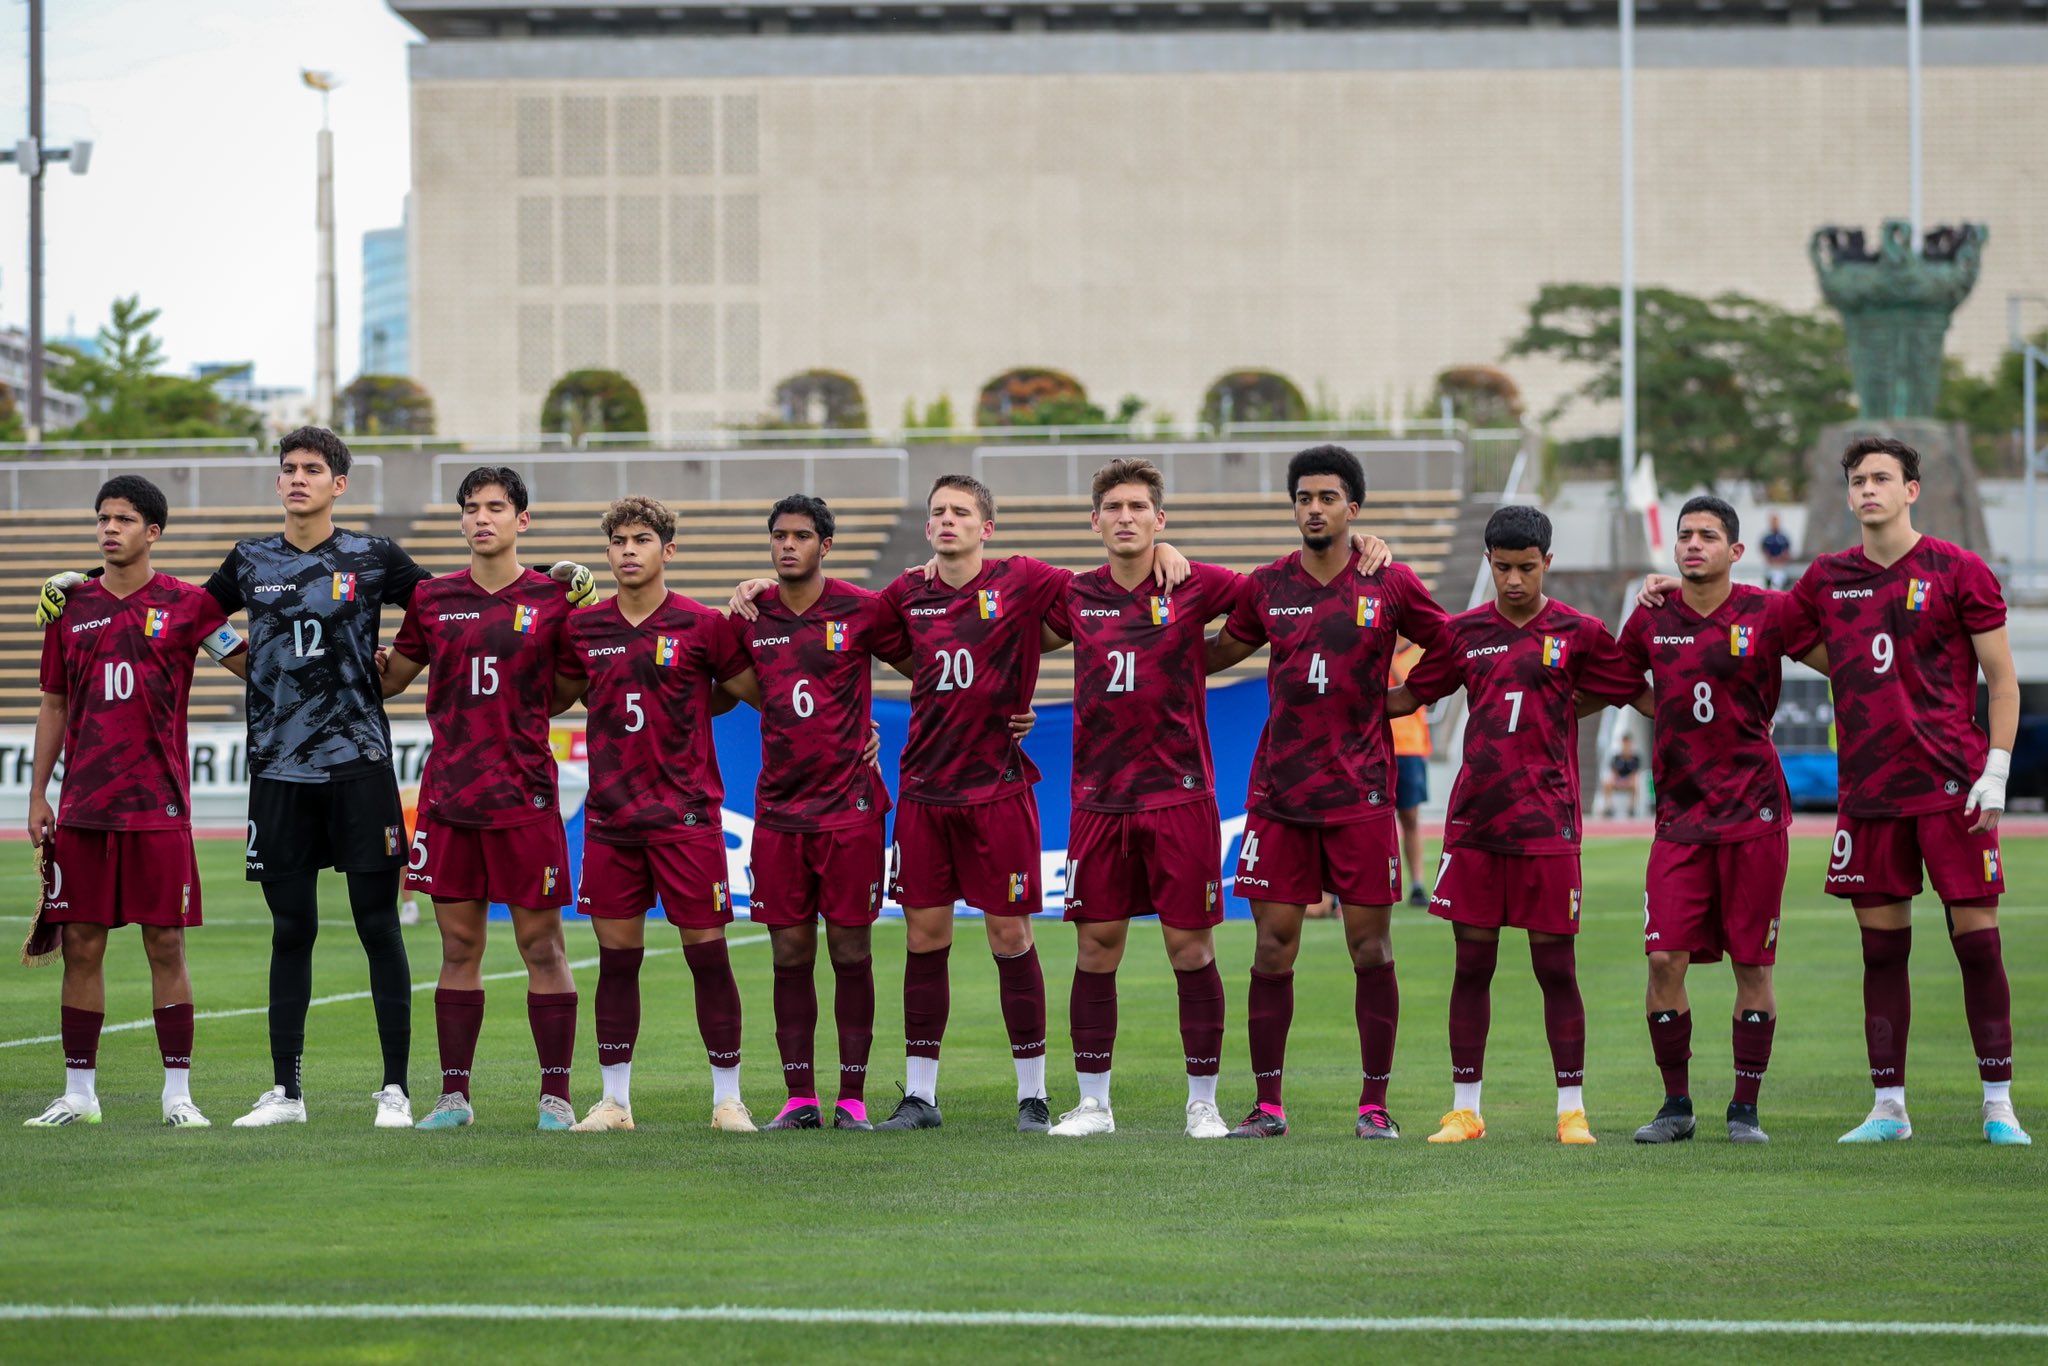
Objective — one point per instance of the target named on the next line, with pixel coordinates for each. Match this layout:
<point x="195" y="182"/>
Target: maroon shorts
<point x="121" y="877"/>
<point x="1165" y="862"/>
<point x="1535" y="892"/>
<point x="1295" y="864"/>
<point x="986" y="856"/>
<point x="1879" y="859"/>
<point x="621" y="881"/>
<point x="1711" y="899"/>
<point x="525" y="866"/>
<point x="801" y="875"/>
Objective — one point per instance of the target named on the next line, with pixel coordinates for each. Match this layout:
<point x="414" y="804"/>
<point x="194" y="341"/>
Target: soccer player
<point x="1716" y="877"/>
<point x="645" y="664"/>
<point x="1511" y="842"/>
<point x="819" y="849"/>
<point x="489" y="826"/>
<point x="115" y="681"/>
<point x="1146" y="839"/>
<point x="1907" y="621"/>
<point x="1320" y="810"/>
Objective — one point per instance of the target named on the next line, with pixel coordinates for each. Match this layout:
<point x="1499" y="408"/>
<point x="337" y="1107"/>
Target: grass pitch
<point x="975" y="1217"/>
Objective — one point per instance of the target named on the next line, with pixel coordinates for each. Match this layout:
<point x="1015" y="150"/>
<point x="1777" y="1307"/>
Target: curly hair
<point x="639" y="510"/>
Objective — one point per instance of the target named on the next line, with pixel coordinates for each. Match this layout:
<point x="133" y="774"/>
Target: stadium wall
<point x="1149" y="211"/>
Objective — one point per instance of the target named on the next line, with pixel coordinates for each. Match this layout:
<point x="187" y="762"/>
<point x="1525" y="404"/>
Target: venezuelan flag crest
<point x="1553" y="652"/>
<point x="1918" y="593"/>
<point x="1368" y="611"/>
<point x="1742" y="641"/>
<point x="1162" y="611"/>
<point x="667" y="650"/>
<point x="344" y="588"/>
<point x="1020" y="886"/>
<point x="525" y="620"/>
<point x="989" y="602"/>
<point x="838" y="634"/>
<point x="1991" y="865"/>
<point x="156" y="623"/>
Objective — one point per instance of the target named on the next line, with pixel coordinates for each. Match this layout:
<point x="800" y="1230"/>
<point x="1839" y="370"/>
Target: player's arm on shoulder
<point x="741" y="604"/>
<point x="1170" y="568"/>
<point x="1374" y="554"/>
<point x="224" y="585"/>
<point x="399" y="669"/>
<point x="1402" y="701"/>
<point x="1656" y="588"/>
<point x="2002" y="683"/>
<point x="744" y="686"/>
<point x="567" y="692"/>
<point x="1225" y="650"/>
<point x="1050" y="639"/>
<point x="50" y="719"/>
<point x="402" y="573"/>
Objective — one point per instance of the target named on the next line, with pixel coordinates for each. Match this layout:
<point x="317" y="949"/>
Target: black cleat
<point x="1743" y="1126"/>
<point x="1375" y="1122"/>
<point x="1418" y="897"/>
<point x="842" y="1118"/>
<point x="801" y="1117"/>
<point x="1260" y="1124"/>
<point x="912" y="1112"/>
<point x="1673" y="1123"/>
<point x="1034" y="1116"/>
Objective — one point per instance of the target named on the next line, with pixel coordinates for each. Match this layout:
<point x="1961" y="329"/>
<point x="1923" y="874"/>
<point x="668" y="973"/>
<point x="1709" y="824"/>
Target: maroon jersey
<point x="976" y="653"/>
<point x="1325" y="756"/>
<point x="1518" y="789"/>
<point x="653" y="767"/>
<point x="1141" y="733"/>
<point x="816" y="685"/>
<point x="1717" y="680"/>
<point x="1903" y="670"/>
<point x="491" y="661"/>
<point x="124" y="667"/>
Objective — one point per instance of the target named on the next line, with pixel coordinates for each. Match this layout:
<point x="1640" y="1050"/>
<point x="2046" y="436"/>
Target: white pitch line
<point x="1004" y="1318"/>
<point x="428" y="985"/>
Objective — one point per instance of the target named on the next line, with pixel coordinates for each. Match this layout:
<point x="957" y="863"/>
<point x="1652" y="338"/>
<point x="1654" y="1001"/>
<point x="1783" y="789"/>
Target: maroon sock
<point x="718" y="1001"/>
<point x="1472" y="1007"/>
<point x="1021" y="983"/>
<point x="1091" y="1016"/>
<point x="618" y="1004"/>
<point x="796" y="1028"/>
<point x="1887" y="1003"/>
<point x="1987" y="1000"/>
<point x="1753" y="1031"/>
<point x="1269" y="1013"/>
<point x="80" y="1032"/>
<point x="853" y="1010"/>
<point x="552" y="1017"/>
<point x="1377" y="1003"/>
<point x="1564" y="1014"/>
<point x="927" y="1000"/>
<point x="174" y="1035"/>
<point x="458" y="1019"/>
<point x="1671" y="1045"/>
<point x="1201" y="1018"/>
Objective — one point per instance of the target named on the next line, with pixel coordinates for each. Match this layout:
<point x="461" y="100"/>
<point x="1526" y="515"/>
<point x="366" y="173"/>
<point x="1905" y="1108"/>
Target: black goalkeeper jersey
<point x="316" y="705"/>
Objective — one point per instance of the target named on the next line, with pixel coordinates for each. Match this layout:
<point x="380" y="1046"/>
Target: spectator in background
<point x="1624" y="769"/>
<point x="1411" y="774"/>
<point x="1777" y="556"/>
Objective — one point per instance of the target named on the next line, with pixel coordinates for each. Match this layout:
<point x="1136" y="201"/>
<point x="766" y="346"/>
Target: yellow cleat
<point x="732" y="1117"/>
<point x="1572" y="1128"/>
<point x="1460" y="1126"/>
<point x="605" y="1116"/>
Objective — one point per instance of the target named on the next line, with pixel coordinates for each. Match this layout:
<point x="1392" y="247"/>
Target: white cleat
<point x="1088" y="1118"/>
<point x="394" y="1108"/>
<point x="66" y="1109"/>
<point x="731" y="1116"/>
<point x="606" y="1116"/>
<point x="183" y="1114"/>
<point x="1205" y="1120"/>
<point x="272" y="1107"/>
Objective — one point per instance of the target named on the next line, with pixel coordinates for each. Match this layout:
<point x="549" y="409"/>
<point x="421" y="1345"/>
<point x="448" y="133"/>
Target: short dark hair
<point x="638" y="510"/>
<point x="145" y="497"/>
<point x="1707" y="502"/>
<point x="322" y="443"/>
<point x="984" y="500"/>
<point x="1908" y="458"/>
<point x="483" y="476"/>
<point x="1328" y="460"/>
<point x="804" y="505"/>
<point x="1518" y="527"/>
<point x="1130" y="472"/>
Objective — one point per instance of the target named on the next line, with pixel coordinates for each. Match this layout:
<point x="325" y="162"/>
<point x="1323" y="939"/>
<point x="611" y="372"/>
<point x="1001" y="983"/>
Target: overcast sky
<point x="201" y="192"/>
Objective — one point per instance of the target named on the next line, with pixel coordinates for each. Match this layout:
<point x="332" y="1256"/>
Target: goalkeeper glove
<point x="582" y="583"/>
<point x="1988" y="792"/>
<point x="50" y="605"/>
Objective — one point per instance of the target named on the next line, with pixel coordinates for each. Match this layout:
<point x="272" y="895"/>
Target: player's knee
<point x="1008" y="936"/>
<point x="1372" y="951"/>
<point x="543" y="954"/>
<point x="165" y="946"/>
<point x="848" y="945"/>
<point x="84" y="945"/>
<point x="1666" y="966"/>
<point x="794" y="950"/>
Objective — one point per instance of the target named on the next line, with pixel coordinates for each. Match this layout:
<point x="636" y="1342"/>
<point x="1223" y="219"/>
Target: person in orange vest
<point x="1411" y="776"/>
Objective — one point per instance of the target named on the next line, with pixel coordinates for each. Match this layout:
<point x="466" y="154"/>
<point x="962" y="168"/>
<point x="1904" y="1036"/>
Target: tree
<point x="127" y="400"/>
<point x="1254" y="396"/>
<point x="1994" y="406"/>
<point x="585" y="401"/>
<point x="1481" y="396"/>
<point x="1034" y="397"/>
<point x="12" y="428"/>
<point x="820" y="398"/>
<point x="1730" y="387"/>
<point x="386" y="405"/>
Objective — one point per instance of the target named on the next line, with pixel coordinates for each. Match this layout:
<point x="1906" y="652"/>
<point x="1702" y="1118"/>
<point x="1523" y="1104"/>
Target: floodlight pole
<point x="35" y="222"/>
<point x="1628" y="240"/>
<point x="324" y="297"/>
<point x="1913" y="117"/>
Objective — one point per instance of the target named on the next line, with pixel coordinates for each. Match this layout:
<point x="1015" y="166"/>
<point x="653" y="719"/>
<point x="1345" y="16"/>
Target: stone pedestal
<point x="1949" y="505"/>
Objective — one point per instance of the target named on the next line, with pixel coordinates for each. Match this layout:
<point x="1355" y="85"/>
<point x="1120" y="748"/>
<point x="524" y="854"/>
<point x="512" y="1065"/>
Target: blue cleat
<point x="2002" y="1127"/>
<point x="555" y="1113"/>
<point x="451" y="1111"/>
<point x="1887" y="1124"/>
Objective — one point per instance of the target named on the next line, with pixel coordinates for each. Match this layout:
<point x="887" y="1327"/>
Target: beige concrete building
<point x="713" y="197"/>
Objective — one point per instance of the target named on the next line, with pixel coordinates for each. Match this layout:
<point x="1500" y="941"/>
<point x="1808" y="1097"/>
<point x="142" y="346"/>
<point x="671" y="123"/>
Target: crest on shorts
<point x="525" y="620"/>
<point x="1918" y="593"/>
<point x="838" y="635"/>
<point x="1991" y="865"/>
<point x="1394" y="874"/>
<point x="989" y="602"/>
<point x="548" y="878"/>
<point x="1575" y="905"/>
<point x="394" y="835"/>
<point x="1553" y="652"/>
<point x="1020" y="887"/>
<point x="344" y="588"/>
<point x="1368" y="611"/>
<point x="1771" y="935"/>
<point x="1162" y="611"/>
<point x="1209" y="895"/>
<point x="667" y="650"/>
<point x="156" y="623"/>
<point x="721" y="898"/>
<point x="1742" y="641"/>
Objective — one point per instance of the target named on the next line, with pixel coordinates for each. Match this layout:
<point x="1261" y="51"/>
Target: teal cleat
<point x="1887" y="1124"/>
<point x="555" y="1113"/>
<point x="451" y="1111"/>
<point x="2002" y="1127"/>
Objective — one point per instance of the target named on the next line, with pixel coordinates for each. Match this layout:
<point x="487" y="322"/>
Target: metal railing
<point x="1432" y="463"/>
<point x="587" y="466"/>
<point x="188" y="471"/>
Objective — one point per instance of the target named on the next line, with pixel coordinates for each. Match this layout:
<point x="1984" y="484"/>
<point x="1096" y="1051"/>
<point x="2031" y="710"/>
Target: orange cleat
<point x="1572" y="1128"/>
<point x="1461" y="1125"/>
